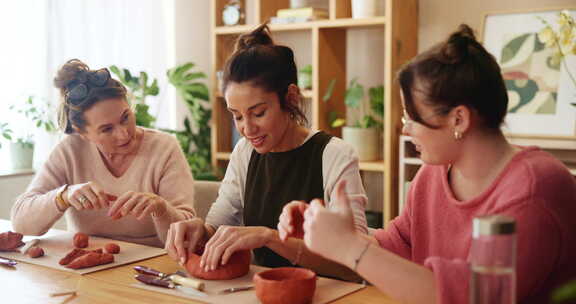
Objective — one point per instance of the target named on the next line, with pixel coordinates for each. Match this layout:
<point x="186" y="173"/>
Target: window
<point x="46" y="33"/>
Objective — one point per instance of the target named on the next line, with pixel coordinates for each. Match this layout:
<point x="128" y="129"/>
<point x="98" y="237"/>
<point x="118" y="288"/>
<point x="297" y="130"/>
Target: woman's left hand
<point x="229" y="239"/>
<point x="138" y="204"/>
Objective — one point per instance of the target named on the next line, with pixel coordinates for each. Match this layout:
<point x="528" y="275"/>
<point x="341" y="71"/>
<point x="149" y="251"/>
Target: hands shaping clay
<point x="237" y="266"/>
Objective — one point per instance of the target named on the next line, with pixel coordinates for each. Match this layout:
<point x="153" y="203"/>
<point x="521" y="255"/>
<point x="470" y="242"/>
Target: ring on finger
<point x="83" y="199"/>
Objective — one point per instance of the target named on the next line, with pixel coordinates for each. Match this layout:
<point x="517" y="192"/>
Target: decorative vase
<point x="364" y="8"/>
<point x="22" y="156"/>
<point x="364" y="140"/>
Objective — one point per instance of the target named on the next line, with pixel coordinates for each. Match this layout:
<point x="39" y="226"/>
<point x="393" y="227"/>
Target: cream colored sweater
<point x="159" y="167"/>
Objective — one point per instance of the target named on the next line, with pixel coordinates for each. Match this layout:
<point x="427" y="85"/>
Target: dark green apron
<point x="277" y="178"/>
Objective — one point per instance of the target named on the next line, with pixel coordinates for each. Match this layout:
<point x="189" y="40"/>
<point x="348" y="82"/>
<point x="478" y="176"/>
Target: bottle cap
<point x="493" y="225"/>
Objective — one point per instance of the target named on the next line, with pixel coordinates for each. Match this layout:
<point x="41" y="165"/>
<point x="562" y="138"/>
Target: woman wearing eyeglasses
<point x="455" y="101"/>
<point x="110" y="177"/>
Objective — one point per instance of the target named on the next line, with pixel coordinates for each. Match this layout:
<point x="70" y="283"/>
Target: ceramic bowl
<point x="285" y="285"/>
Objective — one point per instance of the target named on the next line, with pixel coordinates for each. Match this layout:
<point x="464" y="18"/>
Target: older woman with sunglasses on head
<point x="455" y="101"/>
<point x="110" y="177"/>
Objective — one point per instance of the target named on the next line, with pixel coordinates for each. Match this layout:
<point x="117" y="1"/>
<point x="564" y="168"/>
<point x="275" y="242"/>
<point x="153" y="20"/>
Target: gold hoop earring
<point x="457" y="135"/>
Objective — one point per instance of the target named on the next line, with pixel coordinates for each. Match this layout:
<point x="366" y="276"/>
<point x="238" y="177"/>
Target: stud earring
<point x="457" y="135"/>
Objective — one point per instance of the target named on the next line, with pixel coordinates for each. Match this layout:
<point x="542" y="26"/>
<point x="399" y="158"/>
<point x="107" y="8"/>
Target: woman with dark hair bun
<point x="455" y="101"/>
<point x="277" y="161"/>
<point x="110" y="177"/>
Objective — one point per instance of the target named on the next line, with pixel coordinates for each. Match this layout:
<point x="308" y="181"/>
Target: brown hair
<point x="71" y="112"/>
<point x="256" y="59"/>
<point x="458" y="71"/>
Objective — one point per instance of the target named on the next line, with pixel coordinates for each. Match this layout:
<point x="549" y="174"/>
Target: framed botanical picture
<point x="540" y="87"/>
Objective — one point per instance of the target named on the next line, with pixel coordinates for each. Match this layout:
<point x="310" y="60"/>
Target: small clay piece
<point x="237" y="266"/>
<point x="35" y="252"/>
<point x="75" y="253"/>
<point x="91" y="259"/>
<point x="80" y="240"/>
<point x="112" y="248"/>
<point x="9" y="241"/>
<point x="285" y="285"/>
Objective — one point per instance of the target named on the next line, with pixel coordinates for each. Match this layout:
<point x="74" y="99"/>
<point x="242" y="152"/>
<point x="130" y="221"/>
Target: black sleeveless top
<point x="275" y="179"/>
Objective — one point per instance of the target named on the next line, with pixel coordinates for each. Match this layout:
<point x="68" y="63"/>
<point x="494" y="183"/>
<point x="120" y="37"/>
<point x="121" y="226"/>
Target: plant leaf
<point x="354" y="94"/>
<point x="329" y="90"/>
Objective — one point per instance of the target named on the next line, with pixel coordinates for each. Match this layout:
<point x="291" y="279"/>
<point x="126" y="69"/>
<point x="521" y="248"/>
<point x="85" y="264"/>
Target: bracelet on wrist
<point x="61" y="203"/>
<point x="298" y="254"/>
<point x="359" y="258"/>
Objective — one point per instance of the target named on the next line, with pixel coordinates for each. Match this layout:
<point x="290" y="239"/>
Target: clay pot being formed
<point x="238" y="265"/>
<point x="285" y="285"/>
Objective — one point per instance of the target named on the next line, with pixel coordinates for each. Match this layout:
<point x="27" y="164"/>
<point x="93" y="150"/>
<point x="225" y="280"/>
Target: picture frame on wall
<point x="540" y="90"/>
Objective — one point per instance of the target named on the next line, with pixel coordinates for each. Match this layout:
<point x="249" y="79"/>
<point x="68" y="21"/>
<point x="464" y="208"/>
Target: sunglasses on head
<point x="79" y="89"/>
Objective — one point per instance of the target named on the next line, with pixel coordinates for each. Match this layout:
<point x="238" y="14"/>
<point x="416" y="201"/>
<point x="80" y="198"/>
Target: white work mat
<point x="327" y="290"/>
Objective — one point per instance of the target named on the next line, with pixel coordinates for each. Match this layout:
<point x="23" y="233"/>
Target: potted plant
<point x="195" y="138"/>
<point x="139" y="90"/>
<point x="364" y="133"/>
<point x="22" y="143"/>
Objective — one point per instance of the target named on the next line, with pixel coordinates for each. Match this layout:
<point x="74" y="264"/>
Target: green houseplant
<point x="139" y="90"/>
<point x="363" y="133"/>
<point x="195" y="138"/>
<point x="22" y="142"/>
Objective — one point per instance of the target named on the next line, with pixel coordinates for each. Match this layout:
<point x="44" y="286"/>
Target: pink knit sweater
<point x="159" y="167"/>
<point x="435" y="229"/>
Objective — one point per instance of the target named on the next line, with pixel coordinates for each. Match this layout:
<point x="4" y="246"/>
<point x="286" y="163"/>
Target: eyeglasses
<point x="407" y="122"/>
<point x="79" y="89"/>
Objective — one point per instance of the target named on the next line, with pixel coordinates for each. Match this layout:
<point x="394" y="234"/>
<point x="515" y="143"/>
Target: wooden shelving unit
<point x="327" y="43"/>
<point x="564" y="150"/>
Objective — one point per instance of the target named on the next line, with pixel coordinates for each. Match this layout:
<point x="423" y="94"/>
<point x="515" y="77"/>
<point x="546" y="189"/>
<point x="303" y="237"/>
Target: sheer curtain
<point x="133" y="34"/>
<point x="22" y="62"/>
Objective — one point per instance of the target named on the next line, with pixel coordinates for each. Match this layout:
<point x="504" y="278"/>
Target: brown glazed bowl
<point x="285" y="285"/>
<point x="238" y="265"/>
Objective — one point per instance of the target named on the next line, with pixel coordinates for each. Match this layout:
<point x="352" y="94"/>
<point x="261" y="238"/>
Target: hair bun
<point x="458" y="45"/>
<point x="259" y="36"/>
<point x="72" y="70"/>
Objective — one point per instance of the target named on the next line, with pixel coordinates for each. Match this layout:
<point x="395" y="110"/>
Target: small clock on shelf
<point x="233" y="13"/>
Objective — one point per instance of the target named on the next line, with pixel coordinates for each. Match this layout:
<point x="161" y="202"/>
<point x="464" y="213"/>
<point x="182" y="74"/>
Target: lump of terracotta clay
<point x="75" y="253"/>
<point x="35" y="252"/>
<point x="80" y="240"/>
<point x="91" y="259"/>
<point x="112" y="248"/>
<point x="9" y="240"/>
<point x="237" y="266"/>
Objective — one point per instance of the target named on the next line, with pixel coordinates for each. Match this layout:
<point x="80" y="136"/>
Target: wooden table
<point x="27" y="283"/>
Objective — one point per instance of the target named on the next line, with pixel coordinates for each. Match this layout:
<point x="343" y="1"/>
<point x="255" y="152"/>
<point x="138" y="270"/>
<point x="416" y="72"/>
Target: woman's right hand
<point x="87" y="196"/>
<point x="183" y="237"/>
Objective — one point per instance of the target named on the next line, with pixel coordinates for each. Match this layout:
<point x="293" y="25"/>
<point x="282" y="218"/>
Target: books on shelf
<point x="288" y="20"/>
<point x="318" y="13"/>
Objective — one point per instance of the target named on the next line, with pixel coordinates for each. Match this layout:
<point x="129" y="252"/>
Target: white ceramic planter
<point x="299" y="3"/>
<point x="365" y="141"/>
<point x="364" y="8"/>
<point x="22" y="157"/>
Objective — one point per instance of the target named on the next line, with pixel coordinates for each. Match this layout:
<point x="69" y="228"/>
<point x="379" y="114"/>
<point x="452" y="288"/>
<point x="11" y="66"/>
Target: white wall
<point x="192" y="41"/>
